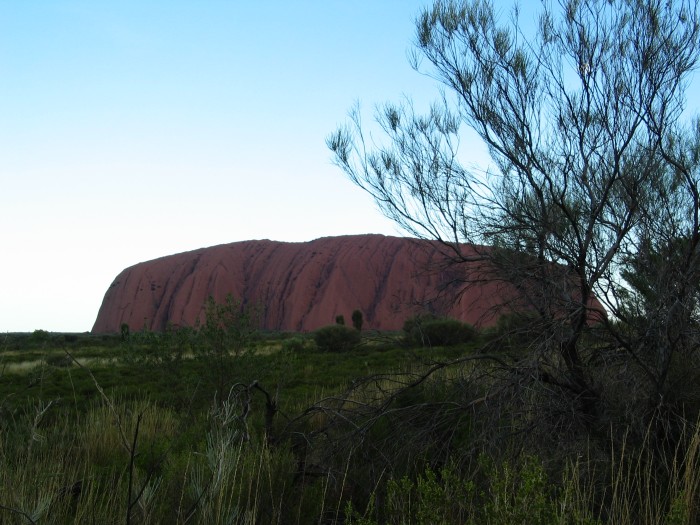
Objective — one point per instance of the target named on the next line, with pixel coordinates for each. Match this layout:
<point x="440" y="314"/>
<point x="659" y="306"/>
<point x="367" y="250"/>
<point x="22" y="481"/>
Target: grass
<point x="93" y="430"/>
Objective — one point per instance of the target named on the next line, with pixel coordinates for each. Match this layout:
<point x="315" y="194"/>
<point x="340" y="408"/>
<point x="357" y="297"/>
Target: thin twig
<point x="107" y="400"/>
<point x="20" y="512"/>
<point x="132" y="457"/>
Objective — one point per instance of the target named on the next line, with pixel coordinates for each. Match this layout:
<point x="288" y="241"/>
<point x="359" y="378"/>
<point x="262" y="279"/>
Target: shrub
<point x="40" y="336"/>
<point x="124" y="329"/>
<point x="357" y="320"/>
<point x="413" y="323"/>
<point x="294" y="344"/>
<point x="516" y="329"/>
<point x="229" y="328"/>
<point x="429" y="330"/>
<point x="340" y="319"/>
<point x="336" y="338"/>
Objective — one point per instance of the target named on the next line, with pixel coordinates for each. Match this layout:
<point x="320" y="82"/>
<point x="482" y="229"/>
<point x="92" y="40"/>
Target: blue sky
<point x="131" y="130"/>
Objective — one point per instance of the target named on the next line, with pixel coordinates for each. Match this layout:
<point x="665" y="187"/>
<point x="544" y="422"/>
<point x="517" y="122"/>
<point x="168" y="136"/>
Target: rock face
<point x="297" y="286"/>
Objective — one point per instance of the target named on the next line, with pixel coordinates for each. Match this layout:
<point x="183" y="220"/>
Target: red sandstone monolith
<point x="299" y="286"/>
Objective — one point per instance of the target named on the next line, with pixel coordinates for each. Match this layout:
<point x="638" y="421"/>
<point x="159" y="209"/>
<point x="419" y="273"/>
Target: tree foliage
<point x="224" y="337"/>
<point x="593" y="194"/>
<point x="228" y="327"/>
<point x="357" y="320"/>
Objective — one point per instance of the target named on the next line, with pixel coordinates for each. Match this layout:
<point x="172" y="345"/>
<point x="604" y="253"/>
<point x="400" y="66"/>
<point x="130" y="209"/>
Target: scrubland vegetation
<point x="107" y="429"/>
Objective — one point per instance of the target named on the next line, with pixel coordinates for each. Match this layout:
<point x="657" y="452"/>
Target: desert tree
<point x="224" y="338"/>
<point x="594" y="169"/>
<point x="357" y="320"/>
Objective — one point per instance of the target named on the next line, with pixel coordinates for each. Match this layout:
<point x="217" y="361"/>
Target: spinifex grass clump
<point x="134" y="462"/>
<point x="62" y="467"/>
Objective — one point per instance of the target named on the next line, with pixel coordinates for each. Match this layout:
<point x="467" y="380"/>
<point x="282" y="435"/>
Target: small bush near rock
<point x="294" y="344"/>
<point x="336" y="338"/>
<point x="429" y="330"/>
<point x="516" y="329"/>
<point x="357" y="320"/>
<point x="414" y="323"/>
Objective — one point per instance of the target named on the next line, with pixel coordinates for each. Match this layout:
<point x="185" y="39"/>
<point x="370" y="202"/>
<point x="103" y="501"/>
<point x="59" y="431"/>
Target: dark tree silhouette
<point x="594" y="166"/>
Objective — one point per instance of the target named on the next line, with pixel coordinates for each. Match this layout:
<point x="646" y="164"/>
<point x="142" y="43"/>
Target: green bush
<point x="357" y="320"/>
<point x="517" y="329"/>
<point x="413" y="323"/>
<point x="336" y="338"/>
<point x="40" y="336"/>
<point x="429" y="330"/>
<point x="124" y="330"/>
<point x="510" y="493"/>
<point x="294" y="344"/>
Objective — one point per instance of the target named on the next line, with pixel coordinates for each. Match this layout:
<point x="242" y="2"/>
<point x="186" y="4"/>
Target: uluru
<point x="297" y="286"/>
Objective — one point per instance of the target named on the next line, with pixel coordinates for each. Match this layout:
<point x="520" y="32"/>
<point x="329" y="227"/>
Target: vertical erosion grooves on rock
<point x="297" y="286"/>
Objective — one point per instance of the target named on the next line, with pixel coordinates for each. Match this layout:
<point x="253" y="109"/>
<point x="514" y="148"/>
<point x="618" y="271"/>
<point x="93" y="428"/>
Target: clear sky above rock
<point x="133" y="129"/>
<point x="130" y="130"/>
